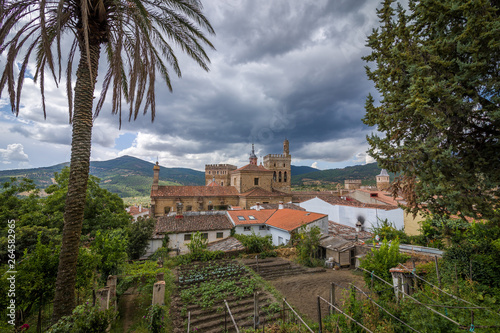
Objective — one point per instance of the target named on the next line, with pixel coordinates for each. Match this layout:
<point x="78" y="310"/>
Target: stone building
<point x="383" y="182"/>
<point x="227" y="185"/>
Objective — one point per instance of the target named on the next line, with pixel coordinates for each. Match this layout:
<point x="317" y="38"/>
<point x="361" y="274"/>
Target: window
<point x="204" y="235"/>
<point x="187" y="237"/>
<point x="241" y="218"/>
<point x="279" y="177"/>
<point x="251" y="217"/>
<point x="219" y="235"/>
<point x="246" y="228"/>
<point x="210" y="207"/>
<point x="280" y="240"/>
<point x="221" y="183"/>
<point x="189" y="208"/>
<point x="262" y="227"/>
<point x="200" y="206"/>
<point x="274" y="176"/>
<point x="256" y="181"/>
<point x="285" y="177"/>
<point x="167" y="210"/>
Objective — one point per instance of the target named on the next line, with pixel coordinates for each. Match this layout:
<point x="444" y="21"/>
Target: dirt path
<point x="301" y="291"/>
<point x="128" y="301"/>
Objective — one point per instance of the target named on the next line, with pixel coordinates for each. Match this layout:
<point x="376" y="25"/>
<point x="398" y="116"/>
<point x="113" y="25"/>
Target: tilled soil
<point x="301" y="291"/>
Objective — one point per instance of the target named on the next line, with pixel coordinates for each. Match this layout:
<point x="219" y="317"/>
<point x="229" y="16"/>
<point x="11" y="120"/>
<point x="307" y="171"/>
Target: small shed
<point x="342" y="251"/>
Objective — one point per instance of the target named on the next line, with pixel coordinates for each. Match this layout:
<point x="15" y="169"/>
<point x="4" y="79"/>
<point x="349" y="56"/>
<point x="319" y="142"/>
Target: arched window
<point x="284" y="177"/>
<point x="274" y="176"/>
<point x="279" y="177"/>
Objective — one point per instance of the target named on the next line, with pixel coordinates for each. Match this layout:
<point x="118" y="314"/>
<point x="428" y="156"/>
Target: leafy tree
<point x="308" y="245"/>
<point x="111" y="248"/>
<point x="255" y="243"/>
<point x="436" y="69"/>
<point x="197" y="245"/>
<point x="140" y="233"/>
<point x="135" y="35"/>
<point x="103" y="210"/>
<point x="381" y="260"/>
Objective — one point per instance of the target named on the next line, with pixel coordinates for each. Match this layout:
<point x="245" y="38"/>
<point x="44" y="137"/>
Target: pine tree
<point x="436" y="67"/>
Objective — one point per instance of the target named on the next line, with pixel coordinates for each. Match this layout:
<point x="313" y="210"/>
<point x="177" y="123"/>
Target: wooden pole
<point x="319" y="316"/>
<point x="437" y="271"/>
<point x="225" y="319"/>
<point x="470" y="268"/>
<point x="256" y="319"/>
<point x="189" y="320"/>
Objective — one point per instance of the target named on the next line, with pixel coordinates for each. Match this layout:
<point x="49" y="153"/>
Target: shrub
<point x="307" y="246"/>
<point x="255" y="243"/>
<point x="85" y="319"/>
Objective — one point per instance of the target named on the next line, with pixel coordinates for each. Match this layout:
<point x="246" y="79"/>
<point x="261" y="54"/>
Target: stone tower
<point x="253" y="157"/>
<point x="383" y="182"/>
<point x="280" y="164"/>
<point x="219" y="173"/>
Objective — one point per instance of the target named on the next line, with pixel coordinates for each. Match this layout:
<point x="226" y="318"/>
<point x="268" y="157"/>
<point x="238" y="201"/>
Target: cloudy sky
<point x="282" y="69"/>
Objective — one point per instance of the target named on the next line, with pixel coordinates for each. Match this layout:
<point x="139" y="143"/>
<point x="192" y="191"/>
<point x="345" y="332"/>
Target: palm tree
<point x="137" y="38"/>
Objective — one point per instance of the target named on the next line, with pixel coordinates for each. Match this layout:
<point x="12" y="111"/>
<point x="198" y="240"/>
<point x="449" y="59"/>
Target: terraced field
<point x="274" y="268"/>
<point x="202" y="289"/>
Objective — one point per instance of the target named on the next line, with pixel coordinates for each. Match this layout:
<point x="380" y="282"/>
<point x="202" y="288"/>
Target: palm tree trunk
<point x="64" y="299"/>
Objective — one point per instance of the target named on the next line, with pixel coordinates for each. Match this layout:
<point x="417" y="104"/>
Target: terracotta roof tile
<point x="192" y="191"/>
<point x="194" y="223"/>
<point x="291" y="219"/>
<point x="347" y="232"/>
<point x="285" y="205"/>
<point x="382" y="196"/>
<point x="252" y="167"/>
<point x="134" y="210"/>
<point x="259" y="216"/>
<point x="355" y="203"/>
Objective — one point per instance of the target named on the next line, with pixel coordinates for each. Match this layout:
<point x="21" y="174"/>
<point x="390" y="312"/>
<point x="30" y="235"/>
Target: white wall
<point x="177" y="240"/>
<point x="276" y="233"/>
<point x="255" y="228"/>
<point x="348" y="215"/>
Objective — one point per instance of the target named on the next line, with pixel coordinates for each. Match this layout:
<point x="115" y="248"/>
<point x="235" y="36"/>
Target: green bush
<point x="381" y="260"/>
<point x="255" y="243"/>
<point x="307" y="247"/>
<point x="85" y="319"/>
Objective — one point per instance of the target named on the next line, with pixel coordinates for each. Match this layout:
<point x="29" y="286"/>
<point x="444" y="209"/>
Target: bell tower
<point x="280" y="164"/>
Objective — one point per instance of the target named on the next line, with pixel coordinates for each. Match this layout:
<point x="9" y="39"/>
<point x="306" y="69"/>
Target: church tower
<point x="383" y="182"/>
<point x="280" y="164"/>
<point x="253" y="157"/>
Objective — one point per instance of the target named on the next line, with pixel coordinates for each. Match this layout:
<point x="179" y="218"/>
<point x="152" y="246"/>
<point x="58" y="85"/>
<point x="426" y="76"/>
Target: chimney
<point x="156" y="176"/>
<point x="258" y="206"/>
<point x="280" y="205"/>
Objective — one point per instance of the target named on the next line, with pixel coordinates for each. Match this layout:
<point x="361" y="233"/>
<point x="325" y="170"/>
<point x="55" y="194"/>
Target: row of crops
<point x="203" y="287"/>
<point x="220" y="270"/>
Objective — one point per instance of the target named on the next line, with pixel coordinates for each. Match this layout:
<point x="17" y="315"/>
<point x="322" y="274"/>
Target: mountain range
<point x="128" y="176"/>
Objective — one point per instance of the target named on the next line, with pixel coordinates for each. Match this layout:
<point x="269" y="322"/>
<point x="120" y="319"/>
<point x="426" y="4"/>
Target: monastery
<point x="228" y="186"/>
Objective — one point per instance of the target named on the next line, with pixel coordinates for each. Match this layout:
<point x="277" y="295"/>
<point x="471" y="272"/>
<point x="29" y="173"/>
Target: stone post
<point x="111" y="283"/>
<point x="159" y="293"/>
<point x="103" y="298"/>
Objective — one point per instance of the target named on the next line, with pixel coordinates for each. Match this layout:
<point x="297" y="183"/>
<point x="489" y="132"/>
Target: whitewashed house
<point x="278" y="223"/>
<point x="354" y="213"/>
<point x="213" y="225"/>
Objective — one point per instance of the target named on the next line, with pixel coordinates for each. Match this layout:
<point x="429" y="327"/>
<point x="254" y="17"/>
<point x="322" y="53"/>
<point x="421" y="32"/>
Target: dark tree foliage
<point x="436" y="67"/>
<point x="140" y="233"/>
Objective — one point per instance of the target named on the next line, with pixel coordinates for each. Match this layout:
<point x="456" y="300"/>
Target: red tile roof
<point x="382" y="196"/>
<point x="285" y="205"/>
<point x="355" y="203"/>
<point x="291" y="219"/>
<point x="192" y="191"/>
<point x="252" y="167"/>
<point x="194" y="223"/>
<point x="134" y="210"/>
<point x="212" y="183"/>
<point x="261" y="216"/>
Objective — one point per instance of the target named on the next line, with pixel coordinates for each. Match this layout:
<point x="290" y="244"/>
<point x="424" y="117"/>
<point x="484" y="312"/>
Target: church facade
<point x="228" y="186"/>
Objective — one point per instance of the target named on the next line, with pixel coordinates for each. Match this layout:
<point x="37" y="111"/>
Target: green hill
<point x="365" y="172"/>
<point x="126" y="176"/>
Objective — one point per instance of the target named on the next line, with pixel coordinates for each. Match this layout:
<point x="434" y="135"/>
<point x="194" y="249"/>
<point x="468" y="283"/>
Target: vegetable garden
<point x="202" y="288"/>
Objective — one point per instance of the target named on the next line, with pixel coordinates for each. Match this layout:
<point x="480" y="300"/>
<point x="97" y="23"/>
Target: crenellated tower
<point x="280" y="164"/>
<point x="219" y="173"/>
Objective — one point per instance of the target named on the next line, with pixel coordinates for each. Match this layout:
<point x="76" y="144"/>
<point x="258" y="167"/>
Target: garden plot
<point x="202" y="289"/>
<point x="274" y="268"/>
